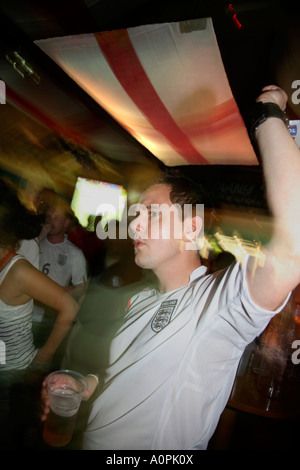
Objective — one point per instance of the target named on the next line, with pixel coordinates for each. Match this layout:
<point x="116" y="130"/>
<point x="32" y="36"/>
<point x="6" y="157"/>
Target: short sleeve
<point x="242" y="318"/>
<point x="79" y="270"/>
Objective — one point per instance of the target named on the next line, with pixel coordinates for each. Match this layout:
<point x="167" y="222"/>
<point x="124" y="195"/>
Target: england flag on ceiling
<point x="166" y="85"/>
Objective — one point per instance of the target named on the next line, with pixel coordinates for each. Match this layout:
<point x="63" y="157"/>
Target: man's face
<point x="157" y="229"/>
<point x="57" y="217"/>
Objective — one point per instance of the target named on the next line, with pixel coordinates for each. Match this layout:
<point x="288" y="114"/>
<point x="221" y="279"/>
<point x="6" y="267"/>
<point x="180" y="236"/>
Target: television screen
<point x="92" y="198"/>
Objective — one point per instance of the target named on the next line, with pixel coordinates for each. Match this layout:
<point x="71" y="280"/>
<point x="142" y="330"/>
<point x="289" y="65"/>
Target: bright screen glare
<point x="92" y="198"/>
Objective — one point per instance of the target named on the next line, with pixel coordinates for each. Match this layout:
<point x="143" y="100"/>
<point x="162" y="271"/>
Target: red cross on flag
<point x="165" y="84"/>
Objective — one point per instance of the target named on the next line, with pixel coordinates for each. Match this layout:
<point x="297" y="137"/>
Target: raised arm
<point x="269" y="285"/>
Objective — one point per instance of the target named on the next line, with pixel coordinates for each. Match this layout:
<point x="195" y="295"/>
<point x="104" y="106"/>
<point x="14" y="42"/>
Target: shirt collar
<point x="198" y="272"/>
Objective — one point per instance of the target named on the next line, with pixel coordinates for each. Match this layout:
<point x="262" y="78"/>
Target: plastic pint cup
<point x="65" y="390"/>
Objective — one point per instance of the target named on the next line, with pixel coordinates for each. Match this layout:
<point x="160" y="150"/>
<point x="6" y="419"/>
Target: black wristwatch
<point x="260" y="112"/>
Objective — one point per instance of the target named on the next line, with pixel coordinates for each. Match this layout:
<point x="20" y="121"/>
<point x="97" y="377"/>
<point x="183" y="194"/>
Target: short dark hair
<point x="182" y="189"/>
<point x="64" y="204"/>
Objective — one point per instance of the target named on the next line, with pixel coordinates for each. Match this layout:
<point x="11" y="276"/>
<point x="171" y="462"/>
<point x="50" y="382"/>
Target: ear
<point x="68" y="223"/>
<point x="192" y="228"/>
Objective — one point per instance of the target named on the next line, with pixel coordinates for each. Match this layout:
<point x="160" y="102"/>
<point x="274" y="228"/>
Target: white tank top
<point x="16" y="340"/>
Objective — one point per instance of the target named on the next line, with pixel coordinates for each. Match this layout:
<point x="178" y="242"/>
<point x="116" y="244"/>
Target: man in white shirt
<point x="174" y="360"/>
<point x="60" y="259"/>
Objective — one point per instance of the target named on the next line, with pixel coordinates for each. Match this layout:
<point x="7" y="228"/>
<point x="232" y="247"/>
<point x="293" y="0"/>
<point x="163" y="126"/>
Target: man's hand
<point x="44" y="231"/>
<point x="92" y="385"/>
<point x="273" y="94"/>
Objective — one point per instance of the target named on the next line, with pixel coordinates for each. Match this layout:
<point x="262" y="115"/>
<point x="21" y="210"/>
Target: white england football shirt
<point x="30" y="249"/>
<point x="173" y="364"/>
<point x="63" y="262"/>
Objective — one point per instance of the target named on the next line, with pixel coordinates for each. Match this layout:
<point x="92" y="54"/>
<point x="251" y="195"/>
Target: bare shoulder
<point x="22" y="270"/>
<point x="21" y="263"/>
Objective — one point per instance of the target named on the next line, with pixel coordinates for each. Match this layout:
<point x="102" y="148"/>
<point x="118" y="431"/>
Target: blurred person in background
<point x="91" y="245"/>
<point x="60" y="259"/>
<point x="20" y="284"/>
<point x="43" y="199"/>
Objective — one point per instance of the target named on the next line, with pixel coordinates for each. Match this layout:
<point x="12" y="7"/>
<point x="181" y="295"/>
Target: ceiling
<point x="53" y="131"/>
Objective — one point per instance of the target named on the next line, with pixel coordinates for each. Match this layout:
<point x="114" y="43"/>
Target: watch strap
<point x="261" y="112"/>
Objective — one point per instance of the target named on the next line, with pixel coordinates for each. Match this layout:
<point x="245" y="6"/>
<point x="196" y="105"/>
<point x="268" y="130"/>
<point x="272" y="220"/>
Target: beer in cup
<point x="65" y="390"/>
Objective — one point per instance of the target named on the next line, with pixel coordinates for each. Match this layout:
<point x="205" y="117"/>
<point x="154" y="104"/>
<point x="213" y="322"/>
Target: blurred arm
<point x="39" y="287"/>
<point x="269" y="285"/>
